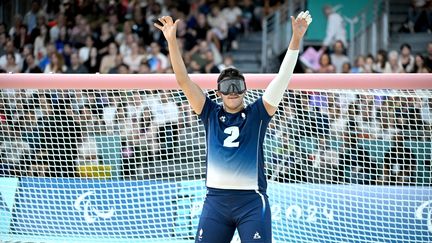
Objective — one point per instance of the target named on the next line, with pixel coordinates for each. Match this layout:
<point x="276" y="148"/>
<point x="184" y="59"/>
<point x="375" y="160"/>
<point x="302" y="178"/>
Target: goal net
<point x="122" y="165"/>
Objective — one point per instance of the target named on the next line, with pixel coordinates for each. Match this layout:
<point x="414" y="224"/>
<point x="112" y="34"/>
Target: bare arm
<point x="275" y="90"/>
<point x="193" y="92"/>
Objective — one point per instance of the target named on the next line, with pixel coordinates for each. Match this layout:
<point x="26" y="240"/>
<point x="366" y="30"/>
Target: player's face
<point x="233" y="102"/>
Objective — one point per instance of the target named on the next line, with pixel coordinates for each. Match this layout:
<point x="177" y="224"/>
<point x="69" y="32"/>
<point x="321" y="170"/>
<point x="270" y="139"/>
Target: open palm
<point x="301" y="23"/>
<point x="168" y="27"/>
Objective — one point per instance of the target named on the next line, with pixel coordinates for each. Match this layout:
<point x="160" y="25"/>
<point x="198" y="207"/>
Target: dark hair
<point x="230" y="73"/>
<point x="405" y="45"/>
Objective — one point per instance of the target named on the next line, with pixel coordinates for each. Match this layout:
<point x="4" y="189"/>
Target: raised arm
<point x="193" y="92"/>
<point x="276" y="89"/>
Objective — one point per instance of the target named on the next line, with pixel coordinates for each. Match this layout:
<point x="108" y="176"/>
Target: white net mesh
<point x="125" y="165"/>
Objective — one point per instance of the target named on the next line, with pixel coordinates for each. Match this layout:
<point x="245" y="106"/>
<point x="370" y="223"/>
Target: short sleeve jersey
<point x="235" y="157"/>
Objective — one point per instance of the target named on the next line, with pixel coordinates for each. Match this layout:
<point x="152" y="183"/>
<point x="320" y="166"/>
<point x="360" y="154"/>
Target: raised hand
<point x="301" y="23"/>
<point x="168" y="27"/>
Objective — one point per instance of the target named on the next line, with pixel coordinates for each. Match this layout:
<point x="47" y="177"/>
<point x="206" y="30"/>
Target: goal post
<point x="121" y="158"/>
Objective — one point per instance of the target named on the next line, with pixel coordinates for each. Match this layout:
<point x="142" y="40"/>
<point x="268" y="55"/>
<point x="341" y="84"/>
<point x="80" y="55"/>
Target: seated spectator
<point x="338" y="56"/>
<point x="393" y="65"/>
<point x="359" y="63"/>
<point x="105" y="38"/>
<point x="228" y="61"/>
<point x="157" y="61"/>
<point x="93" y="62"/>
<point x="399" y="163"/>
<point x="326" y="65"/>
<point x="369" y="62"/>
<point x="419" y="66"/>
<point x="419" y="17"/>
<point x="355" y="159"/>
<point x="219" y="28"/>
<point x="380" y="62"/>
<point x="232" y="13"/>
<point x="133" y="60"/>
<point x="56" y="64"/>
<point x="346" y="67"/>
<point x="325" y="162"/>
<point x="144" y="67"/>
<point x="41" y="42"/>
<point x="80" y="32"/>
<point x="46" y="60"/>
<point x="406" y="59"/>
<point x="32" y="67"/>
<point x="11" y="66"/>
<point x="21" y="38"/>
<point x="9" y="48"/>
<point x="84" y="52"/>
<point x="76" y="66"/>
<point x="108" y="61"/>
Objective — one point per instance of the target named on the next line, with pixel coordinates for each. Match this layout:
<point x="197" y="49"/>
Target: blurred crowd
<point x="119" y="36"/>
<point x="53" y="132"/>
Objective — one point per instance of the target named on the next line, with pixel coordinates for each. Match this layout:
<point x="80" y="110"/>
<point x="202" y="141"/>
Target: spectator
<point x="399" y="163"/>
<point x="59" y="23"/>
<point x="18" y="21"/>
<point x="358" y="65"/>
<point x="419" y="17"/>
<point x="46" y="60"/>
<point x="56" y="64"/>
<point x="219" y="28"/>
<point x="93" y="62"/>
<point x="80" y="32"/>
<point x="406" y="59"/>
<point x="338" y="56"/>
<point x="355" y="159"/>
<point x="157" y="60"/>
<point x="118" y="60"/>
<point x="228" y="61"/>
<point x="30" y="18"/>
<point x="105" y="38"/>
<point x="76" y="66"/>
<point x="32" y="67"/>
<point x="393" y="65"/>
<point x="108" y="61"/>
<point x="11" y="66"/>
<point x="419" y="66"/>
<point x="41" y="42"/>
<point x="326" y="65"/>
<point x="369" y="62"/>
<point x="133" y="60"/>
<point x="346" y="67"/>
<point x="325" y="162"/>
<point x="144" y="67"/>
<point x="21" y="38"/>
<point x="380" y="62"/>
<point x="84" y="52"/>
<point x="335" y="28"/>
<point x="233" y="15"/>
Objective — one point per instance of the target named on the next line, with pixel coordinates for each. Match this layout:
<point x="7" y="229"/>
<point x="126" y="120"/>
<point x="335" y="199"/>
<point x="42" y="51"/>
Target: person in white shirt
<point x="338" y="57"/>
<point x="335" y="28"/>
<point x="233" y="15"/>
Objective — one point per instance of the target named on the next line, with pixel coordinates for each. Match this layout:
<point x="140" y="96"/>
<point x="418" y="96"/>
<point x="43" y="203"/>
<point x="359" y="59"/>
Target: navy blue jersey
<point x="235" y="157"/>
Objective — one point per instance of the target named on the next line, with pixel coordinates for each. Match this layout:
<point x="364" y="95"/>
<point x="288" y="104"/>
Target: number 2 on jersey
<point x="233" y="135"/>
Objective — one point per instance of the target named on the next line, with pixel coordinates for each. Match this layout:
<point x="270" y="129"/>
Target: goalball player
<point x="236" y="184"/>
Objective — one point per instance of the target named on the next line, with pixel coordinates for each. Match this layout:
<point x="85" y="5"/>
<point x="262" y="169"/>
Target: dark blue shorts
<point x="224" y="211"/>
